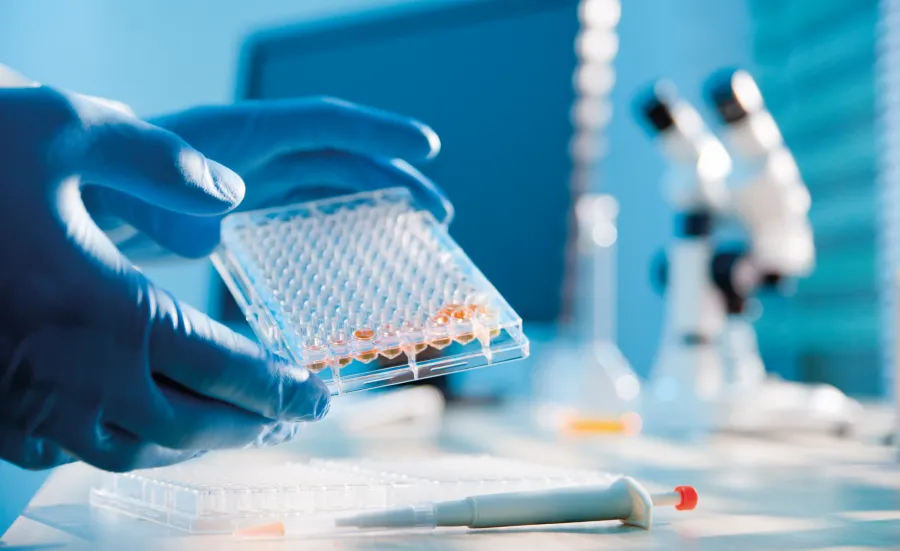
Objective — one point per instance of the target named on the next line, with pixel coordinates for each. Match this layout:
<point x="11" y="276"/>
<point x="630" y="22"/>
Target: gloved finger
<point x="185" y="235"/>
<point x="72" y="420"/>
<point x="154" y="411"/>
<point x="181" y="343"/>
<point x="211" y="360"/>
<point x="196" y="352"/>
<point x="28" y="451"/>
<point x="153" y="164"/>
<point x="110" y="449"/>
<point x="184" y="421"/>
<point x="78" y="427"/>
<point x="112" y="104"/>
<point x="252" y="133"/>
<point x="290" y="178"/>
<point x="307" y="176"/>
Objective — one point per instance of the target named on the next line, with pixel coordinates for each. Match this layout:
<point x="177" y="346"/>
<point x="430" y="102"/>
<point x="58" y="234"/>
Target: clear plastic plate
<point x="366" y="290"/>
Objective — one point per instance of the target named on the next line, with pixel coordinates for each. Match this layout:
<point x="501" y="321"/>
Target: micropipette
<point x="624" y="500"/>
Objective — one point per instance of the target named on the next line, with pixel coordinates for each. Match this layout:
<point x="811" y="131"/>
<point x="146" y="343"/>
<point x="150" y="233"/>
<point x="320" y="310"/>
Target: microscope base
<point x="770" y="407"/>
<point x="776" y="405"/>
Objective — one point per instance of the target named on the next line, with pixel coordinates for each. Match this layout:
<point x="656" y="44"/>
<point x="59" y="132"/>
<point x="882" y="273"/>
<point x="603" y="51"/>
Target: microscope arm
<point x="768" y="196"/>
<point x="773" y="206"/>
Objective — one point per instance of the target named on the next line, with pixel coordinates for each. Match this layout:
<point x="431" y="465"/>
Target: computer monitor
<point x="494" y="78"/>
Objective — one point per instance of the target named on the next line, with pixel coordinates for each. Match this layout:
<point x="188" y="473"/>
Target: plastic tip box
<point x="366" y="290"/>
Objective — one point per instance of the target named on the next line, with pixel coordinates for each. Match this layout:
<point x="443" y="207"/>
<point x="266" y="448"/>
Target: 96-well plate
<point x="366" y="290"/>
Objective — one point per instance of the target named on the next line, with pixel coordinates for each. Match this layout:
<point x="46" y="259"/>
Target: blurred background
<point x="531" y="99"/>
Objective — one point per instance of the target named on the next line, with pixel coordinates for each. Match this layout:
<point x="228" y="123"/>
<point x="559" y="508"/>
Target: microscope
<point x="686" y="379"/>
<point x="708" y="373"/>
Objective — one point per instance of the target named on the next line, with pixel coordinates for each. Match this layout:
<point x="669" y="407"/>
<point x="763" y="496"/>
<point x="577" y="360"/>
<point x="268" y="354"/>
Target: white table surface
<point x="779" y="492"/>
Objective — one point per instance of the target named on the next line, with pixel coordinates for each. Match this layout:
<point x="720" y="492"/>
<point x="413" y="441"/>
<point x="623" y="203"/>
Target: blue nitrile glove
<point x="96" y="363"/>
<point x="286" y="151"/>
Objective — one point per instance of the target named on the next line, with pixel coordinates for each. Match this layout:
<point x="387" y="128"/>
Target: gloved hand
<point x="98" y="364"/>
<point x="286" y="151"/>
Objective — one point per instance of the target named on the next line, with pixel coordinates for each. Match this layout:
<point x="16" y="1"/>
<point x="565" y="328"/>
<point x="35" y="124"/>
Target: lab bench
<point x="777" y="492"/>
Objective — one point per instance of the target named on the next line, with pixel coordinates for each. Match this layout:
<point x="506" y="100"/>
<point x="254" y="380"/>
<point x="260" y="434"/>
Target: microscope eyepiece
<point x="653" y="107"/>
<point x="734" y="95"/>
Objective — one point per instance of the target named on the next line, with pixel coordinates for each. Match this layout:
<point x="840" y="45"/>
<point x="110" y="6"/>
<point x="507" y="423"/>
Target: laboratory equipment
<point x="686" y="378"/>
<point x="709" y="373"/>
<point x="623" y="500"/>
<point x="770" y="200"/>
<point x="365" y="290"/>
<point x="219" y="494"/>
<point x="585" y="385"/>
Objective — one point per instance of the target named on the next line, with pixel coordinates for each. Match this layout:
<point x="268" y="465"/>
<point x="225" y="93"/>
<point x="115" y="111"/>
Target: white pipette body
<point x="624" y="500"/>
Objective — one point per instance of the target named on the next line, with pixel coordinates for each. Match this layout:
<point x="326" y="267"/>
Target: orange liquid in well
<point x="391" y="353"/>
<point x="440" y="343"/>
<point x="420" y="346"/>
<point x="344" y="361"/>
<point x="450" y="308"/>
<point x="365" y="334"/>
<point x="462" y="315"/>
<point x="441" y="319"/>
<point x="315" y="367"/>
